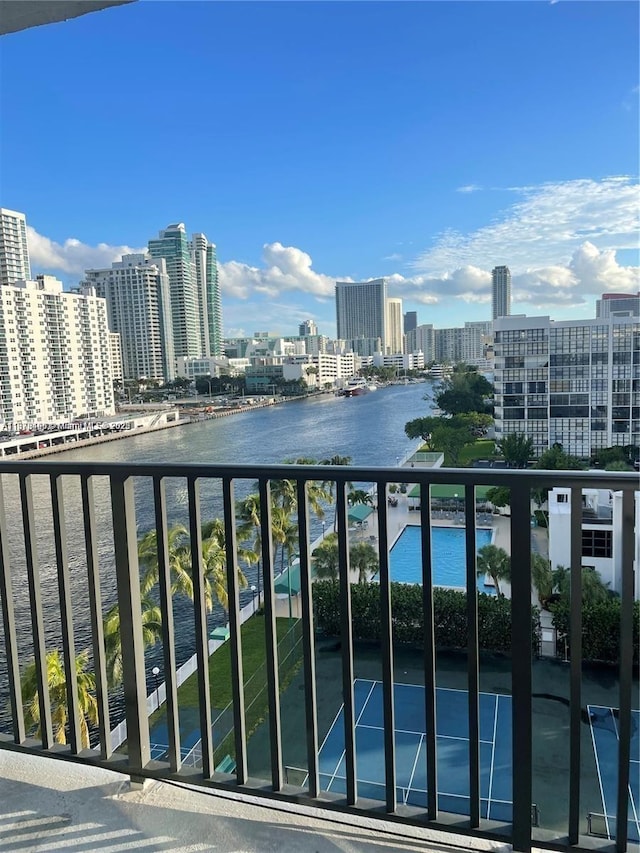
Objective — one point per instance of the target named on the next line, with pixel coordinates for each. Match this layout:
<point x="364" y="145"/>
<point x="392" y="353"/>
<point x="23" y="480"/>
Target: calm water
<point x="448" y="555"/>
<point x="369" y="429"/>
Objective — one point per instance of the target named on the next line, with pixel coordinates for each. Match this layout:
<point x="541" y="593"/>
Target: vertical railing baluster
<point x="168" y="634"/>
<point x="308" y="644"/>
<point x="233" y="606"/>
<point x="271" y="638"/>
<point x="95" y="613"/>
<point x="629" y="532"/>
<point x="473" y="677"/>
<point x="575" y="675"/>
<point x="35" y="605"/>
<point x="429" y="652"/>
<point x="521" y="656"/>
<point x="386" y="627"/>
<point x="130" y="611"/>
<point x="66" y="613"/>
<point x="9" y="627"/>
<point x="346" y="643"/>
<point x="200" y="620"/>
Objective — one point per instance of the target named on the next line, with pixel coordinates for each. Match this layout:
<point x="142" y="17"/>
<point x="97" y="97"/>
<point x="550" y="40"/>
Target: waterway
<point x="369" y="429"/>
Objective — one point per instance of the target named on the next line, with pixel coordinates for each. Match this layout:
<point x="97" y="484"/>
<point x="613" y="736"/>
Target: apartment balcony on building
<point x="299" y="696"/>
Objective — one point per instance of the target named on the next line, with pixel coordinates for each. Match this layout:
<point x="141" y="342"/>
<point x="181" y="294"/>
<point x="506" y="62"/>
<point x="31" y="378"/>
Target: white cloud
<point x="395" y="256"/>
<point x="286" y="269"/>
<point x="72" y="256"/>
<point x="469" y="188"/>
<point x="545" y="228"/>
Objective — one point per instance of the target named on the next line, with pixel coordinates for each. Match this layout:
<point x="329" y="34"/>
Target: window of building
<point x="596" y="543"/>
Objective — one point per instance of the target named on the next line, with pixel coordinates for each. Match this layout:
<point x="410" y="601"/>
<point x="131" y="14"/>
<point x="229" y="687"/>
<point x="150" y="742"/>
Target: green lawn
<point x="253" y="656"/>
<point x="483" y="448"/>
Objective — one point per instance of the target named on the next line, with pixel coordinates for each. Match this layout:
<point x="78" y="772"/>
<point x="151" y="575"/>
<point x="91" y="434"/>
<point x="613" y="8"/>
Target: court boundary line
<point x="421" y="734"/>
<point x="595" y="752"/>
<point x="422" y="687"/>
<point x="493" y="755"/>
<point x="631" y="800"/>
<point x="415" y="764"/>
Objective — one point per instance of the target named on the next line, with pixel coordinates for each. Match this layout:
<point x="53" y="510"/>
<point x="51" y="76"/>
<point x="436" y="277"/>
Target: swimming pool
<point x="448" y="550"/>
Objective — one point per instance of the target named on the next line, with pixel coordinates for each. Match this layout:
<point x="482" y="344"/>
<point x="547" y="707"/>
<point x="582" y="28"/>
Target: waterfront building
<point x="500" y="292"/>
<point x="115" y="348"/>
<point x="410" y="321"/>
<point x="137" y="294"/>
<point x="322" y="370"/>
<point x="193" y="368"/>
<point x="466" y="343"/>
<point x="421" y="339"/>
<point x="14" y="250"/>
<point x="55" y="353"/>
<point x="601" y="531"/>
<point x="619" y="305"/>
<point x="172" y="246"/>
<point x="399" y="361"/>
<point x="307" y="329"/>
<point x="361" y="309"/>
<point x="574" y="382"/>
<point x="205" y="262"/>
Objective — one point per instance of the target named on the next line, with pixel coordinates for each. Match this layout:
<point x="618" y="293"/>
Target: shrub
<point x="450" y="616"/>
<point x="600" y="629"/>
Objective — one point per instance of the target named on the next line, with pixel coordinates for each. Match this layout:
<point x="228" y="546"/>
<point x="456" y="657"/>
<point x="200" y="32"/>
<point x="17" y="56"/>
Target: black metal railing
<point x="69" y="535"/>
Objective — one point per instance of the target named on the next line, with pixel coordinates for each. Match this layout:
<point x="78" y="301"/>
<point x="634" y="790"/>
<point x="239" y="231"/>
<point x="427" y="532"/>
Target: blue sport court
<point x="411" y="767"/>
<point x="605" y="736"/>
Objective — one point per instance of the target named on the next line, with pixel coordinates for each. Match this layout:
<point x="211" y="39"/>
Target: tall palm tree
<point x="151" y="617"/>
<point x="325" y="558"/>
<point x="363" y="557"/>
<point x="496" y="563"/>
<point x="593" y="588"/>
<point x="541" y="578"/>
<point x="330" y="485"/>
<point x="177" y="537"/>
<point x="359" y="496"/>
<point x="87" y="704"/>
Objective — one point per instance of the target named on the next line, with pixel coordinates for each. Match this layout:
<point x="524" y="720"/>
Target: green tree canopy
<point x="325" y="558"/>
<point x="496" y="563"/>
<point x="516" y="448"/>
<point x="466" y="390"/>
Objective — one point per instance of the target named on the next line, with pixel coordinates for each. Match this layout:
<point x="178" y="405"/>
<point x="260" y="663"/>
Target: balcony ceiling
<point x="16" y="15"/>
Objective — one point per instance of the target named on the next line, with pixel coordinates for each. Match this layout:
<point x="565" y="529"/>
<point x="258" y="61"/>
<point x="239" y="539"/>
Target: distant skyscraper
<point x="361" y="309"/>
<point x="410" y="321"/>
<point x="501" y="292"/>
<point x="173" y="246"/>
<point x="14" y="252"/>
<point x="307" y="329"/>
<point x="136" y="290"/>
<point x="393" y="327"/>
<point x="203" y="254"/>
<point x="618" y="305"/>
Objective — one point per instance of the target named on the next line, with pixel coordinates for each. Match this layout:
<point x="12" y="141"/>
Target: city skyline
<point x="545" y="182"/>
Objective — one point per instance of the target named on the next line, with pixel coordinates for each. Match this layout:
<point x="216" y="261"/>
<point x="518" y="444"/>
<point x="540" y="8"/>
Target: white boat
<point x="357" y="386"/>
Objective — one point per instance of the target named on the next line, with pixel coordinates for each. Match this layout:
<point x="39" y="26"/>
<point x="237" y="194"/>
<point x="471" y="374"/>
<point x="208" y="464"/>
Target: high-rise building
<point x="618" y="305"/>
<point x="137" y="294"/>
<point x="205" y="260"/>
<point x="500" y="292"/>
<point x="361" y="311"/>
<point x="307" y="329"/>
<point x="173" y="246"/>
<point x="410" y="321"/>
<point x="393" y="327"/>
<point x="462" y="343"/>
<point x="421" y="339"/>
<point x="55" y="353"/>
<point x="574" y="382"/>
<point x="14" y="251"/>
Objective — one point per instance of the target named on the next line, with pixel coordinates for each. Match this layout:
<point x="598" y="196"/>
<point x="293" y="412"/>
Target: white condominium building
<point x="575" y="382"/>
<point x="55" y="354"/>
<point x="137" y="295"/>
<point x="14" y="252"/>
<point x="393" y="327"/>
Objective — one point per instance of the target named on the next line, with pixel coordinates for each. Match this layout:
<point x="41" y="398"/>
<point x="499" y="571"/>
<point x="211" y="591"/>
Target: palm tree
<point x="516" y="448"/>
<point x="151" y="632"/>
<point x="541" y="578"/>
<point x="326" y="558"/>
<point x="593" y="588"/>
<point x="363" y="558"/>
<point x="359" y="496"/>
<point x="177" y="536"/>
<point x="496" y="563"/>
<point x="330" y="485"/>
<point x="85" y="686"/>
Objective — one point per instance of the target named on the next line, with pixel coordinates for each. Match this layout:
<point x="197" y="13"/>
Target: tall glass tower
<point x="204" y="258"/>
<point x="501" y="292"/>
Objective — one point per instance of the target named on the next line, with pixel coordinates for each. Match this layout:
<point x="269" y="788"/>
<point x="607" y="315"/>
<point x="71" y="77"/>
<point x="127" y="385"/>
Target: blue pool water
<point x="448" y="550"/>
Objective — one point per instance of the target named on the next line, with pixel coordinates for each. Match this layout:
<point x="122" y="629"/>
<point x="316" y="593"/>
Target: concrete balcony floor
<point x="48" y="805"/>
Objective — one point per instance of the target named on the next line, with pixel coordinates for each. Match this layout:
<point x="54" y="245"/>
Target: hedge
<point x="600" y="629"/>
<point x="450" y="611"/>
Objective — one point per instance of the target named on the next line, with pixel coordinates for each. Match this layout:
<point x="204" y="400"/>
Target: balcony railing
<point x="69" y="546"/>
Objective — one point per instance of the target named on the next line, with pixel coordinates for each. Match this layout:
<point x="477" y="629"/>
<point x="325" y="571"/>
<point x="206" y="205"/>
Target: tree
<point x="499" y="496"/>
<point x="57" y="685"/>
<point x="325" y="558"/>
<point x="363" y="557"/>
<point x="466" y="390"/>
<point x="593" y="588"/>
<point x="496" y="563"/>
<point x="541" y="578"/>
<point x="451" y="436"/>
<point x="555" y="459"/>
<point x="423" y="428"/>
<point x="516" y="448"/>
<point x="359" y="496"/>
<point x="330" y="485"/>
<point x="151" y="618"/>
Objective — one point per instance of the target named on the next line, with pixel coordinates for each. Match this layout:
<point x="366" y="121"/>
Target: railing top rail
<point x="340" y="474"/>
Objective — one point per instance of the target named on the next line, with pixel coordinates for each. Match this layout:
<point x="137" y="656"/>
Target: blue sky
<point x="426" y="142"/>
